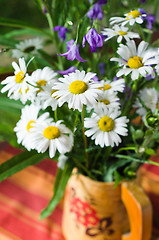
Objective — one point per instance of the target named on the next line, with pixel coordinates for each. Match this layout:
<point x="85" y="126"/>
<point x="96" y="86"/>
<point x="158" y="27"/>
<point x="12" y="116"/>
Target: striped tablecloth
<point x="22" y="198"/>
<point x="24" y="195"/>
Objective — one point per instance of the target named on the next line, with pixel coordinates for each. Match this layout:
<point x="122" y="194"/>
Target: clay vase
<point x="100" y="211"/>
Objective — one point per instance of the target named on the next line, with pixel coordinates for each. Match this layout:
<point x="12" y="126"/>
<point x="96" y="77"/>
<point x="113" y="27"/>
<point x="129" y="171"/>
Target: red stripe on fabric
<point x="48" y="165"/>
<point x="9" y="149"/>
<point x="30" y="200"/>
<point x="20" y="227"/>
<point x="152" y="168"/>
<point x="155" y="200"/>
<point x="31" y="219"/>
<point x="3" y="145"/>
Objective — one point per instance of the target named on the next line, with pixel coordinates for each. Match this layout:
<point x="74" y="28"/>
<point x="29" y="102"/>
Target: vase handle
<point x="139" y="212"/>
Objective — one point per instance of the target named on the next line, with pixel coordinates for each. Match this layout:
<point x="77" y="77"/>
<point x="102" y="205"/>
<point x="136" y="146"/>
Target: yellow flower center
<point x="51" y="132"/>
<point x="29" y="125"/>
<point x="135" y="62"/>
<point x="53" y="91"/>
<point x="20" y="90"/>
<point x="41" y="82"/>
<point x="122" y="33"/>
<point x="40" y="90"/>
<point x="134" y="14"/>
<point x="105" y="101"/>
<point x="19" y="77"/>
<point x="106" y="87"/>
<point x="106" y="124"/>
<point x="78" y="87"/>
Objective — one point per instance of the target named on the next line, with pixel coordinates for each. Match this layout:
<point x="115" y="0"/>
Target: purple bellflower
<point x="61" y="32"/>
<point x="69" y="70"/>
<point x="44" y="9"/>
<point x="95" y="12"/>
<point x="72" y="52"/>
<point x="96" y="78"/>
<point x="102" y="66"/>
<point x="93" y="38"/>
<point x="101" y="2"/>
<point x="149" y="18"/>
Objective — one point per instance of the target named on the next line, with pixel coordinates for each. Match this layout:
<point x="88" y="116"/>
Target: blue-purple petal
<point x="67" y="71"/>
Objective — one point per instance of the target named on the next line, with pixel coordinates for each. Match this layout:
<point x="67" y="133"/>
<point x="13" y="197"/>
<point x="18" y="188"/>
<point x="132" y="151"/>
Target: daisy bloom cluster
<point x="17" y="85"/>
<point x="105" y="126"/>
<point x="26" y="47"/>
<point x="148" y="99"/>
<point x="137" y="61"/>
<point x="120" y="31"/>
<point x="134" y="16"/>
<point x="78" y="104"/>
<point x="42" y="133"/>
<point x="77" y="89"/>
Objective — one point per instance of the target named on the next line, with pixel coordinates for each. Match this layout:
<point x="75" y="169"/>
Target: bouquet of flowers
<point x="92" y="105"/>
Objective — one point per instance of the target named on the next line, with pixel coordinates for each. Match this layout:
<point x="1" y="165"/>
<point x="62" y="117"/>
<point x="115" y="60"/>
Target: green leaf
<point x="150" y="151"/>
<point x="137" y="159"/>
<point x="118" y="178"/>
<point x="126" y="149"/>
<point x="62" y="177"/>
<point x="6" y="69"/>
<point x="20" y="24"/>
<point x="10" y="105"/>
<point x="19" y="162"/>
<point x="155" y="43"/>
<point x="21" y="32"/>
<point x="8" y="121"/>
<point x="6" y="41"/>
<point x="113" y="167"/>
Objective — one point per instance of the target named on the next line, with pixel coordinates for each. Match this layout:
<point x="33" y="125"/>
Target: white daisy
<point x="61" y="161"/>
<point x="115" y="86"/>
<point x="41" y="77"/>
<point x="108" y="99"/>
<point x="24" y="48"/>
<point x="105" y="126"/>
<point x="46" y="97"/>
<point x="157" y="58"/>
<point x="18" y="82"/>
<point x="134" y="16"/>
<point x="77" y="89"/>
<point x="135" y="61"/>
<point x="52" y="135"/>
<point x="150" y="98"/>
<point x="120" y="31"/>
<point x="25" y="126"/>
<point x="29" y="94"/>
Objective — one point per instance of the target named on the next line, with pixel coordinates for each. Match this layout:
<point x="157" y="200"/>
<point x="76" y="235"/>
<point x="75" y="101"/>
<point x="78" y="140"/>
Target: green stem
<point x="126" y="108"/>
<point x="147" y="141"/>
<point x="35" y="64"/>
<point x="155" y="7"/>
<point x="140" y="31"/>
<point x="136" y="159"/>
<point x="80" y="166"/>
<point x="75" y="122"/>
<point x="55" y="115"/>
<point x="77" y="31"/>
<point x="84" y="138"/>
<point x="54" y="39"/>
<point x="50" y="22"/>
